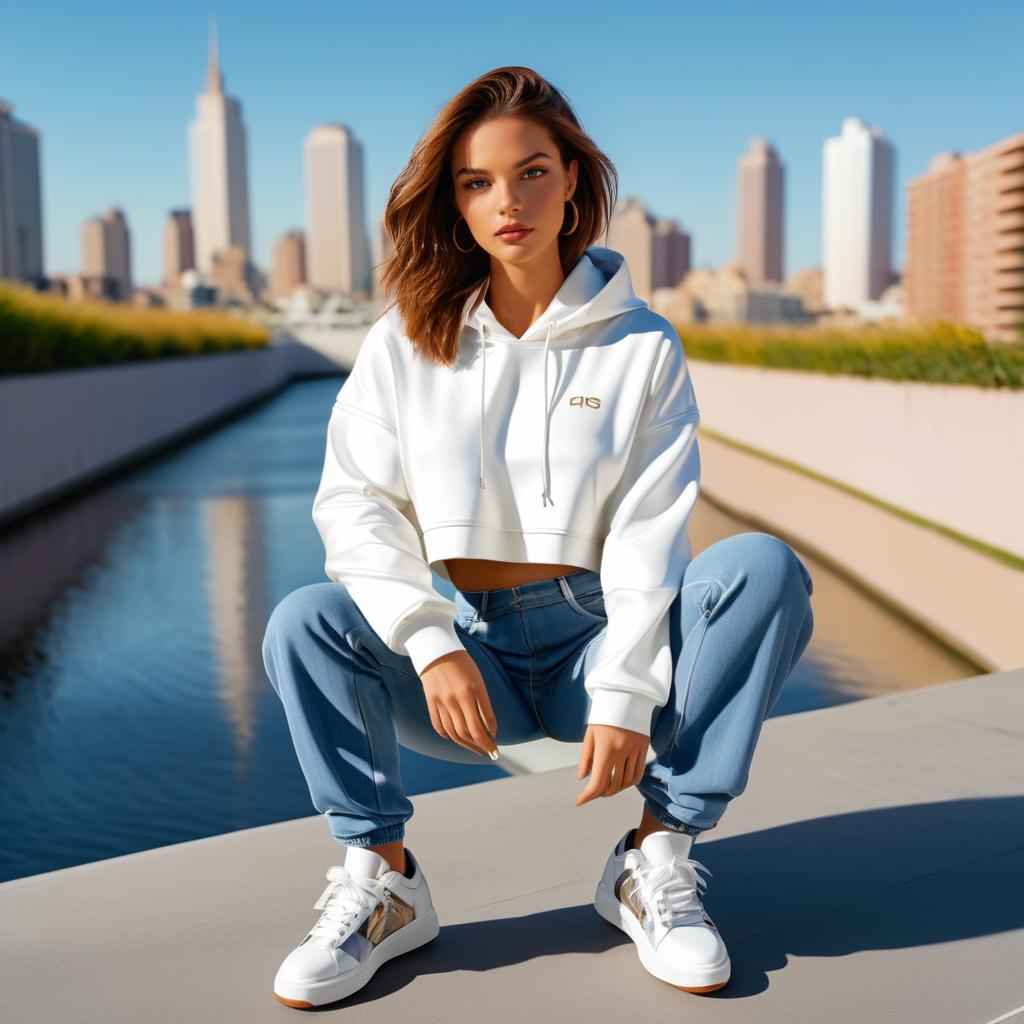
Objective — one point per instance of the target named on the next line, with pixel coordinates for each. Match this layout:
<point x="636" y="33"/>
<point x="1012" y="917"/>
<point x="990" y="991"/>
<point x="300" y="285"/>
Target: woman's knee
<point x="769" y="556"/>
<point x="307" y="606"/>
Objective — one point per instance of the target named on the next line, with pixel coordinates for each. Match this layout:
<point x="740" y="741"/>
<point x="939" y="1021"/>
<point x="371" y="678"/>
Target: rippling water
<point x="135" y="711"/>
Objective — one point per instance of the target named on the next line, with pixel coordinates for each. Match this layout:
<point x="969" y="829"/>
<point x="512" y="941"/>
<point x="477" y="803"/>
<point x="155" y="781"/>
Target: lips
<point x="509" y="228"/>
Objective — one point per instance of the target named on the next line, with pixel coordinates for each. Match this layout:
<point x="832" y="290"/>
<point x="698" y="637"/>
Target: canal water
<point x="135" y="711"/>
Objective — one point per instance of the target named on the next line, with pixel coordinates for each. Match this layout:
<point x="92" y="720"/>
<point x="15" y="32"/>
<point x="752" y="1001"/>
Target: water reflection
<point x="860" y="648"/>
<point x="134" y="706"/>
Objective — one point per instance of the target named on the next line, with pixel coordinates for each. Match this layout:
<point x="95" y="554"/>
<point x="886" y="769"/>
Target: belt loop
<point x="483" y="604"/>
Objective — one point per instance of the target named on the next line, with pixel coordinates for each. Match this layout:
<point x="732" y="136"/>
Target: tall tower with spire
<point x="220" y="179"/>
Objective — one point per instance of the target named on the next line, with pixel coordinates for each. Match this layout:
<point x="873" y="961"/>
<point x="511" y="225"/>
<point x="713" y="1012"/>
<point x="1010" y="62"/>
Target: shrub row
<point x="939" y="352"/>
<point x="40" y="332"/>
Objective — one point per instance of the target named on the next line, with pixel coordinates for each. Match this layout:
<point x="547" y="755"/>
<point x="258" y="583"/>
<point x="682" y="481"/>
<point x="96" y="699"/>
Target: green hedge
<point x="40" y="332"/>
<point x="940" y="352"/>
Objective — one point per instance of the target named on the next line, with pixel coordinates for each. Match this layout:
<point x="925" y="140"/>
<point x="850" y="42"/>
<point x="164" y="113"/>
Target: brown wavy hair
<point x="429" y="278"/>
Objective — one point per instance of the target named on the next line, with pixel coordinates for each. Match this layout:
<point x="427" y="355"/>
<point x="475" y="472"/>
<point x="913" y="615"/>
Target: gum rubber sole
<point x="618" y="915"/>
<point x="309" y="995"/>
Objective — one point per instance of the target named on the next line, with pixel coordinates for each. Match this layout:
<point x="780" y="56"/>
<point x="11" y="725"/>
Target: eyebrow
<point x="526" y="160"/>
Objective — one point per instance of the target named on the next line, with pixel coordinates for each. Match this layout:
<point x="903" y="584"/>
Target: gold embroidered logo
<point x="582" y="400"/>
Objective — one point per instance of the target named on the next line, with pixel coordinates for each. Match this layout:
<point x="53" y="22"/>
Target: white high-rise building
<point x="858" y="185"/>
<point x="337" y="243"/>
<point x="220" y="180"/>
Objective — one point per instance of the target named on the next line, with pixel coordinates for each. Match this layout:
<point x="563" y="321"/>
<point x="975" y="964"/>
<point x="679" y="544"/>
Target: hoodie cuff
<point x="624" y="709"/>
<point x="429" y="642"/>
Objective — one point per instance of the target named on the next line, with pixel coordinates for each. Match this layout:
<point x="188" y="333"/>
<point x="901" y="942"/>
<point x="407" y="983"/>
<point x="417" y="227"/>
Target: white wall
<point x="950" y="453"/>
<point x="59" y="430"/>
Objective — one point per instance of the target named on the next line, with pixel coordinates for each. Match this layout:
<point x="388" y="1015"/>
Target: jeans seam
<point x="369" y="739"/>
<point x="705" y="616"/>
<point x="529" y="652"/>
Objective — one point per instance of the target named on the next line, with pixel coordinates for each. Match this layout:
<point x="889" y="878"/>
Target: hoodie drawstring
<point x="483" y="371"/>
<point x="545" y="454"/>
<point x="545" y="469"/>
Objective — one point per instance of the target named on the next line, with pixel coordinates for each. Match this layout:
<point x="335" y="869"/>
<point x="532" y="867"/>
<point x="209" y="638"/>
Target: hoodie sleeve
<point x="361" y="512"/>
<point x="646" y="550"/>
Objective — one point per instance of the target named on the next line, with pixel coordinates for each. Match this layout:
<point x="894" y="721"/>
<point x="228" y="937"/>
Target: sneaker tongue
<point x="365" y="863"/>
<point x="660" y="847"/>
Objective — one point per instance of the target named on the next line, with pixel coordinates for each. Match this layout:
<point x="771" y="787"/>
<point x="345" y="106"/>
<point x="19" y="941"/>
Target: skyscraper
<point x="671" y="259"/>
<point x="965" y="240"/>
<point x="106" y="251"/>
<point x="220" y="181"/>
<point x="288" y="267"/>
<point x="759" y="213"/>
<point x="337" y="244"/>
<point x="21" y="211"/>
<point x="657" y="250"/>
<point x="631" y="232"/>
<point x="179" y="246"/>
<point x="857" y="211"/>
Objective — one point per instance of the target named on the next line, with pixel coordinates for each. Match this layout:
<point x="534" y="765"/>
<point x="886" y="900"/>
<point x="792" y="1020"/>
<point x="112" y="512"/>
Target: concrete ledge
<point x="873" y="869"/>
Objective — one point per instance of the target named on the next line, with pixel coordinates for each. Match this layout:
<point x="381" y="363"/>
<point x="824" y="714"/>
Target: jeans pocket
<point x="579" y="605"/>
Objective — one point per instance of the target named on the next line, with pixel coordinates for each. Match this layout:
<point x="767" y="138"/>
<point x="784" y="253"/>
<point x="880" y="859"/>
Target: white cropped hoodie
<point x="574" y="444"/>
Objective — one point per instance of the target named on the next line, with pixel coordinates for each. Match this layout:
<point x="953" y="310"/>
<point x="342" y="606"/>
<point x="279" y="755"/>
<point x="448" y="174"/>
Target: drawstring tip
<point x="481" y="483"/>
<point x="546" y="499"/>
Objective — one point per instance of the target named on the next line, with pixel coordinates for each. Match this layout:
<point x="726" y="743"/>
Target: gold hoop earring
<point x="455" y="241"/>
<point x="575" y="222"/>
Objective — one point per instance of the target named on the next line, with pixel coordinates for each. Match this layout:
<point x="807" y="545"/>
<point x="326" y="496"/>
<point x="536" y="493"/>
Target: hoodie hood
<point x="596" y="289"/>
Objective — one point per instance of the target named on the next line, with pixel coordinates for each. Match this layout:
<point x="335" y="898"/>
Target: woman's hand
<point x="460" y="709"/>
<point x="618" y="758"/>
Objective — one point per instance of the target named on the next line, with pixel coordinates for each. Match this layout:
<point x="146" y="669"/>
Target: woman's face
<point x="509" y="169"/>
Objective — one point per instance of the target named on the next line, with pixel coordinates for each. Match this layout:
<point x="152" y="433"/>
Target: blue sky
<point x="673" y="93"/>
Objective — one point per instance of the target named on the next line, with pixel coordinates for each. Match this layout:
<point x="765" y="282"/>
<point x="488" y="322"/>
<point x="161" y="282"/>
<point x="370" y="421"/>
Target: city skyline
<point x="700" y="194"/>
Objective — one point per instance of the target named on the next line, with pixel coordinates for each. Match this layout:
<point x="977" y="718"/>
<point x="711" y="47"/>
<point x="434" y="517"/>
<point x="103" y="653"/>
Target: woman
<point x="522" y="423"/>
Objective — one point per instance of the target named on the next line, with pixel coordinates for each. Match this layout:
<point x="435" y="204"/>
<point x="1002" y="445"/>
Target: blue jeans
<point x="739" y="625"/>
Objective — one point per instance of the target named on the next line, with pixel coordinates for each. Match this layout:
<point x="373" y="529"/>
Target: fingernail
<point x="494" y="755"/>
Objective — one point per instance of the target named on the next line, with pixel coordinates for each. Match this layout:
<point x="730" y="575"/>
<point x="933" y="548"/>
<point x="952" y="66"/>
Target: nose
<point x="509" y="203"/>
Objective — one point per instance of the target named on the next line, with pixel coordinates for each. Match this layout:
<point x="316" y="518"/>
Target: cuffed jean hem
<point x="376" y="837"/>
<point x="671" y="822"/>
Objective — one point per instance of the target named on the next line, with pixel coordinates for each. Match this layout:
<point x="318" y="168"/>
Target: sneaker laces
<point x="672" y="889"/>
<point x="344" y="903"/>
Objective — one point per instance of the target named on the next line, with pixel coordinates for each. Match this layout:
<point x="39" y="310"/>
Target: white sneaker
<point x="371" y="913"/>
<point x="653" y="895"/>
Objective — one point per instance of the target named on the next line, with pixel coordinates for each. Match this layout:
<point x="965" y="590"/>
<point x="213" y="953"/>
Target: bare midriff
<point x="487" y="574"/>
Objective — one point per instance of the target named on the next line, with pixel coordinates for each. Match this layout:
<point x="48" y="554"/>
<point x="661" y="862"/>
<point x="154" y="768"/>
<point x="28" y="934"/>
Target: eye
<point x="469" y="184"/>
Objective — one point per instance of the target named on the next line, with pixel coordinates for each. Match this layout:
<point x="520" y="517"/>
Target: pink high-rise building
<point x="759" y="214"/>
<point x="179" y="248"/>
<point x="657" y="251"/>
<point x="337" y="244"/>
<point x="671" y="259"/>
<point x="288" y="267"/>
<point x="106" y="251"/>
